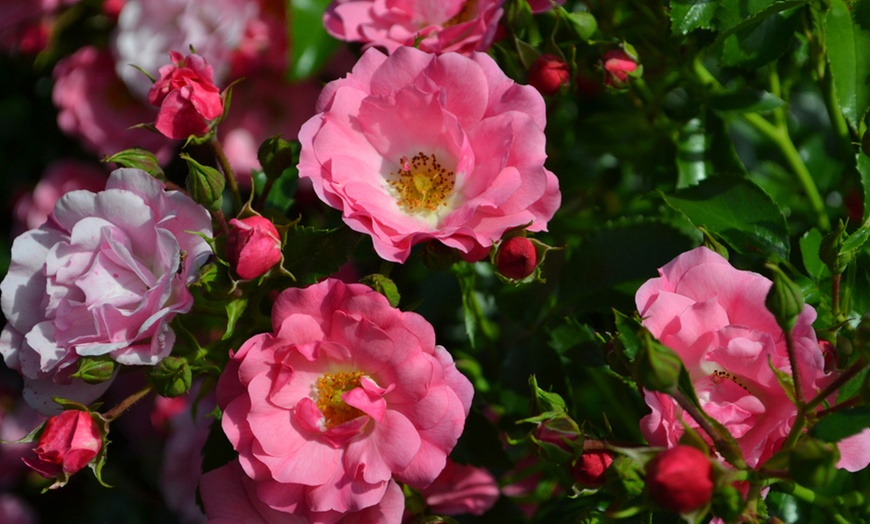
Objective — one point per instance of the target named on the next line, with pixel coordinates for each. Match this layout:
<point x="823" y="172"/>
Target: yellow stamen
<point x="330" y="388"/>
<point x="422" y="184"/>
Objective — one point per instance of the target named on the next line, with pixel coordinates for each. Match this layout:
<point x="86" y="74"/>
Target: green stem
<point x="722" y="445"/>
<point x="125" y="404"/>
<point x="795" y="370"/>
<point x="780" y="137"/>
<point x="232" y="184"/>
<point x="832" y="388"/>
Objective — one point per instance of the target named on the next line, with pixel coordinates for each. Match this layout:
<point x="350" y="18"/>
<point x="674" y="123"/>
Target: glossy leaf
<point x="688" y="15"/>
<point x="842" y="424"/>
<point x="738" y="211"/>
<point x="847" y="33"/>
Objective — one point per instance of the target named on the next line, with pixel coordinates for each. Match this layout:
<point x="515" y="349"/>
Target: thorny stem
<point x="125" y="404"/>
<point x="228" y="172"/>
<point x="261" y="201"/>
<point x="722" y="446"/>
<point x="832" y="388"/>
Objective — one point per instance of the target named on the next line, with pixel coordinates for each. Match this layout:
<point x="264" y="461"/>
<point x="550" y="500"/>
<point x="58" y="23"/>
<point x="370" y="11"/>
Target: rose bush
<point x="187" y="97"/>
<point x="104" y="276"/>
<point x="714" y="317"/>
<point x="344" y="396"/>
<point x="414" y="147"/>
<point x="461" y="26"/>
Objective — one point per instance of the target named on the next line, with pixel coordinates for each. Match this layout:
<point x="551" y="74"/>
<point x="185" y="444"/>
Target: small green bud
<point x="624" y="477"/>
<point x="171" y="377"/>
<point x="727" y="502"/>
<point x="812" y="463"/>
<point x="785" y="299"/>
<point x="384" y="286"/>
<point x="205" y="184"/>
<point x="830" y="250"/>
<point x="94" y="370"/>
<point x="140" y="159"/>
<point x="276" y="155"/>
<point x="657" y="367"/>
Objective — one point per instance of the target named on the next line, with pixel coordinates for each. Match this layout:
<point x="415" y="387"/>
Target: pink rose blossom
<point x="94" y="106"/>
<point x="187" y="97"/>
<point x="414" y="147"/>
<point x="462" y="26"/>
<point x="714" y="317"/>
<point x="68" y="443"/>
<point x="103" y="276"/>
<point x="59" y="178"/>
<point x="253" y="246"/>
<point x="461" y="489"/>
<point x="346" y="395"/>
<point x="230" y="497"/>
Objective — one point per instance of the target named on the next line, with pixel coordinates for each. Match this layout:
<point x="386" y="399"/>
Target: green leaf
<point x="688" y="15"/>
<point x="841" y="424"/>
<point x="310" y="45"/>
<point x="734" y="15"/>
<point x="759" y="40"/>
<point x="847" y="35"/>
<point x="583" y="23"/>
<point x="745" y="101"/>
<point x="810" y="243"/>
<point x="234" y="309"/>
<point x="864" y="170"/>
<point x="736" y="210"/>
<point x="311" y="253"/>
<point x="704" y="149"/>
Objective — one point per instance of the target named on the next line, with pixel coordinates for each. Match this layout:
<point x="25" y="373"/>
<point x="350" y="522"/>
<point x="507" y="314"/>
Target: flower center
<point x="330" y="388"/>
<point x="464" y="15"/>
<point x="422" y="184"/>
<point x="718" y="376"/>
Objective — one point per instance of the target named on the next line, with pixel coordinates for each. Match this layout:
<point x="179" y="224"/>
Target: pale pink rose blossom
<point x="416" y="147"/>
<point x="714" y="317"/>
<point x="346" y="395"/>
<point x="94" y="106"/>
<point x="59" y="178"/>
<point x="103" y="276"/>
<point x="461" y="489"/>
<point x="230" y="496"/>
<point x="462" y="26"/>
<point x="148" y="29"/>
<point x="187" y="97"/>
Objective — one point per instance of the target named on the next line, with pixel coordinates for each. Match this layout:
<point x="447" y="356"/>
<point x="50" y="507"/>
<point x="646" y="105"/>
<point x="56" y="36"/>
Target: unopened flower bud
<point x="253" y="246"/>
<point x="548" y="74"/>
<point x="831" y="250"/>
<point x="69" y="442"/>
<point x="276" y="155"/>
<point x="140" y="159"/>
<point x="680" y="479"/>
<point x="95" y="370"/>
<point x="171" y="377"/>
<point x="516" y="258"/>
<point x="205" y="184"/>
<point x="588" y="470"/>
<point x="785" y="300"/>
<point x="618" y="65"/>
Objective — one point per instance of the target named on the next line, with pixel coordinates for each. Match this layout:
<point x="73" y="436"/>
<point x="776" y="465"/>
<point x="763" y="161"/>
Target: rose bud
<point x="589" y="469"/>
<point x="516" y="258"/>
<point x="548" y="74"/>
<point x="617" y="66"/>
<point x="680" y="479"/>
<point x="187" y="97"/>
<point x="253" y="246"/>
<point x="69" y="442"/>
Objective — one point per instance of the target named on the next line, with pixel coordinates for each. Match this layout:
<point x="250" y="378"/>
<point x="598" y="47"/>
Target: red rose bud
<point x="253" y="246"/>
<point x="589" y="469"/>
<point x="516" y="258"/>
<point x="186" y="96"/>
<point x="617" y="66"/>
<point x="548" y="74"/>
<point x="69" y="442"/>
<point x="679" y="479"/>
